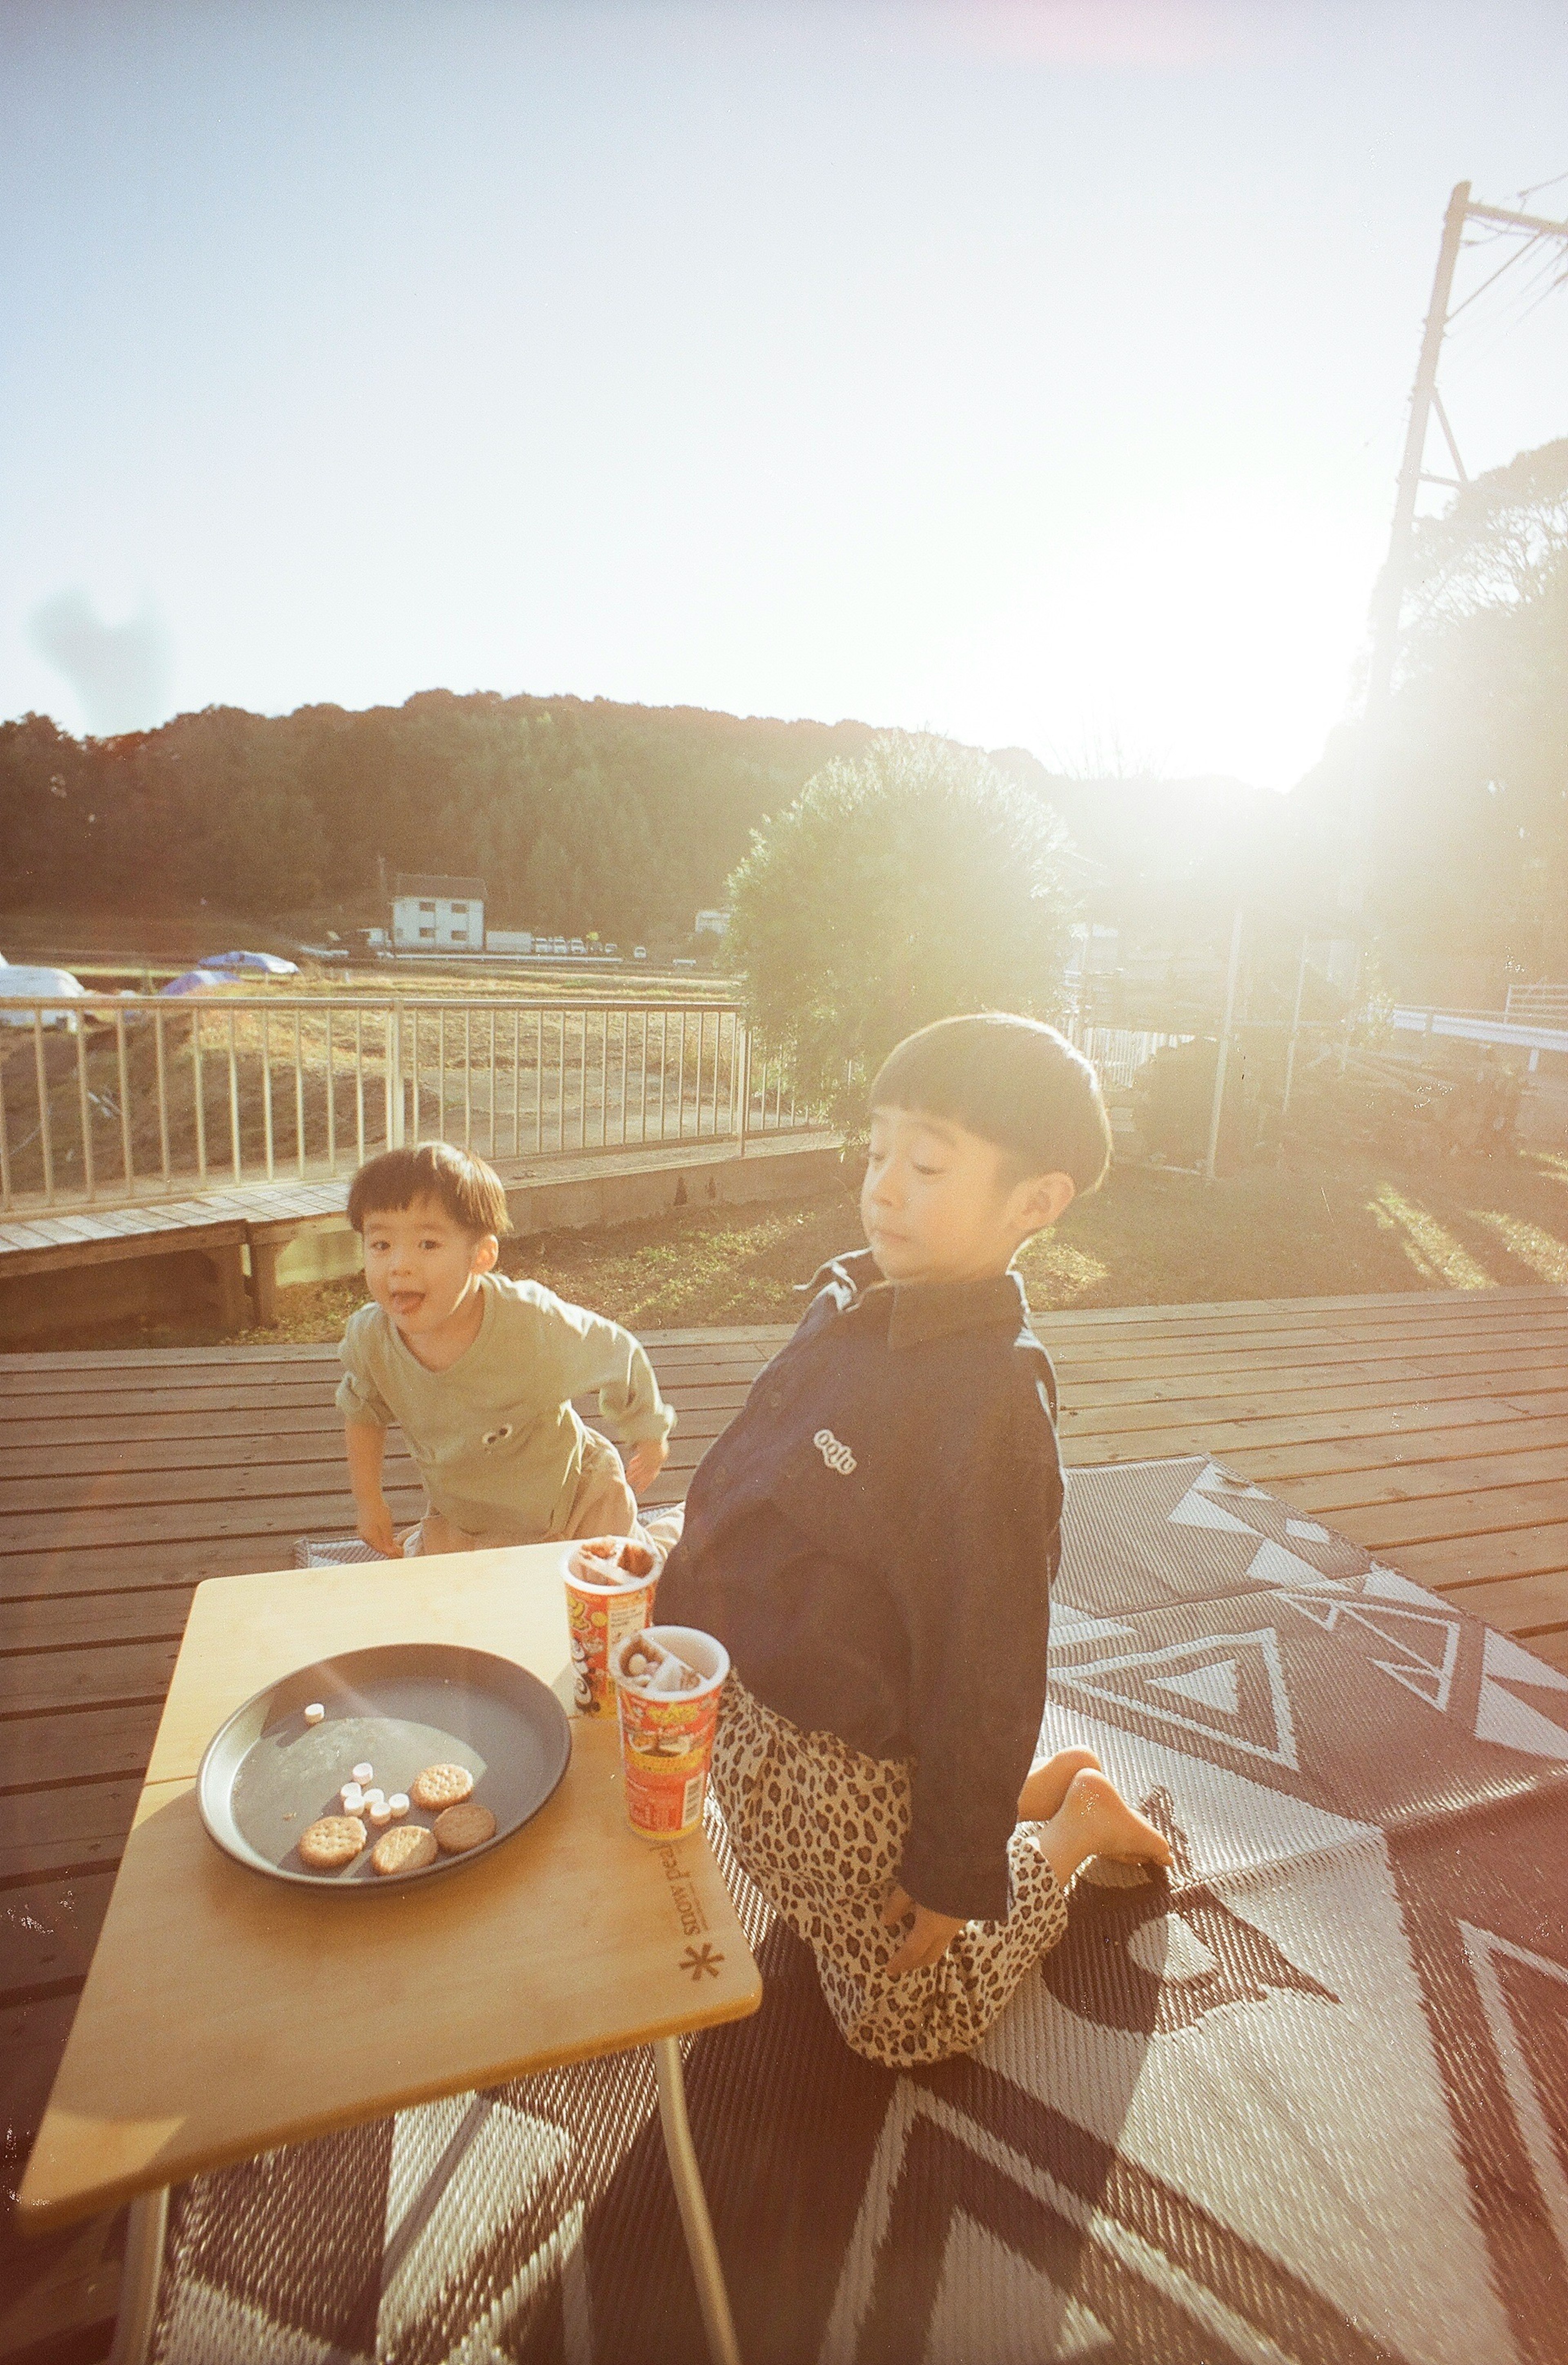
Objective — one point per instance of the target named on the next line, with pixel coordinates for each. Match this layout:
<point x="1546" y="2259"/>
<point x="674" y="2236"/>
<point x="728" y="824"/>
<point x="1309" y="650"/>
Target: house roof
<point x="449" y="891"/>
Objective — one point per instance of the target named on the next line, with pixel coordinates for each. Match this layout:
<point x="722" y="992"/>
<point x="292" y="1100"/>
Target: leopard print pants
<point x="821" y="1830"/>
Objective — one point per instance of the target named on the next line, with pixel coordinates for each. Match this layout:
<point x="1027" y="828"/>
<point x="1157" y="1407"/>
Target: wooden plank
<point x="200" y="1366"/>
<point x="48" y="1930"/>
<point x="1321" y="1435"/>
<point x="1492" y="1431"/>
<point x="128" y="1428"/>
<point x="1213" y="1312"/>
<point x="106" y="1359"/>
<point x="58" y="1376"/>
<point x="154" y="1400"/>
<point x="98" y="1743"/>
<point x="169" y="1449"/>
<point x="53" y="1621"/>
<point x="1464" y="1561"/>
<point x="61" y="2293"/>
<point x="38" y="1682"/>
<point x="1416" y="1397"/>
<point x="1525" y="1605"/>
<point x="29" y="1576"/>
<point x="262" y="1474"/>
<point x="1489" y="1369"/>
<point x="1406" y="1335"/>
<point x="15" y="1235"/>
<point x="76" y="1823"/>
<point x="1382" y="1527"/>
<point x="1552" y="1648"/>
<point x="16" y="1265"/>
<point x="170" y="1394"/>
<point x="1516" y="1462"/>
<point x="272" y="1476"/>
<point x="57" y="1533"/>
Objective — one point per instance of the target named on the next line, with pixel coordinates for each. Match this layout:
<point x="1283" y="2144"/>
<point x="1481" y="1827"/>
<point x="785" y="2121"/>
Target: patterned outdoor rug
<point x="1309" y="2101"/>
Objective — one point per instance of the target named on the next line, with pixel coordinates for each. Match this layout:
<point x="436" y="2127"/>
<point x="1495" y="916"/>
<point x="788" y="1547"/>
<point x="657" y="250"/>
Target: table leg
<point x="703" y="2251"/>
<point x="139" y="2277"/>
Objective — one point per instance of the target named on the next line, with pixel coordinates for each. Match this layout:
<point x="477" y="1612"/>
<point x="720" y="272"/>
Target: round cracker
<point x="334" y="1840"/>
<point x="408" y="1847"/>
<point x="464" y="1827"/>
<point x="441" y="1786"/>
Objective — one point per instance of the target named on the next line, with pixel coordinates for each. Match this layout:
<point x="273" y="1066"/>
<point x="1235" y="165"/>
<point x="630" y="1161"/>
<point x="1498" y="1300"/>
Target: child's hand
<point x="376" y="1529"/>
<point x="644" y="1463"/>
<point x="928" y="1940"/>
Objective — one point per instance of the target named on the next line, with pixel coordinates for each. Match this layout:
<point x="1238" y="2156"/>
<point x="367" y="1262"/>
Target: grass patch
<point x="1321" y="1229"/>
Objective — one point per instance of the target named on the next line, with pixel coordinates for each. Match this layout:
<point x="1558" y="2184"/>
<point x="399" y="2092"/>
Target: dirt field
<point x="1319" y="1228"/>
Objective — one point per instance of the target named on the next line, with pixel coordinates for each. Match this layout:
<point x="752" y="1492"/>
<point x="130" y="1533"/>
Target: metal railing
<point x="1538" y="1005"/>
<point x="106" y="1099"/>
<point x="1116" y="1053"/>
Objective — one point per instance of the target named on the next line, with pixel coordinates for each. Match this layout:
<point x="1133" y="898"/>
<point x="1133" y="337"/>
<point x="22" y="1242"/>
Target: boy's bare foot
<point x="1047" y="1785"/>
<point x="1095" y="1819"/>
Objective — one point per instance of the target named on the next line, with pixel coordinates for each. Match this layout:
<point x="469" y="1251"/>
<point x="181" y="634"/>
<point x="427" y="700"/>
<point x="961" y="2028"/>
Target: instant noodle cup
<point x="667" y="1736"/>
<point x="610" y="1583"/>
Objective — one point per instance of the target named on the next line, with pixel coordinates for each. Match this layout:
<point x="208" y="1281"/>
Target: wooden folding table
<point x="225" y="2014"/>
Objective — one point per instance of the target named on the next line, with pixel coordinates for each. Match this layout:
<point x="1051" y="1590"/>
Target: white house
<point x="438" y="915"/>
<point x="711" y="924"/>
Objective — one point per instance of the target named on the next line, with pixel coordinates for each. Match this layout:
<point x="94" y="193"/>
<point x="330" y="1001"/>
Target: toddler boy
<point x="479" y="1371"/>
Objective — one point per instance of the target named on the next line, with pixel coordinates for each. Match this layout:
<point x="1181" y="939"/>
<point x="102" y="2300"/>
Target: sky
<point x="1033" y="371"/>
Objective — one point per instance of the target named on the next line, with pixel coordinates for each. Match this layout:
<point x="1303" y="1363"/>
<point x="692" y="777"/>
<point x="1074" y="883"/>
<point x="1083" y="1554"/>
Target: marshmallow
<point x="375" y="1798"/>
<point x="315" y="1712"/>
<point x="365" y="1773"/>
<point x="377" y="1811"/>
<point x="353" y="1797"/>
<point x="673" y="1674"/>
<point x="397" y="1804"/>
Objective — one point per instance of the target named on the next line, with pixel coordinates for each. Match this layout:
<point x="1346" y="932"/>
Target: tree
<point x="1472" y="840"/>
<point x="908" y="883"/>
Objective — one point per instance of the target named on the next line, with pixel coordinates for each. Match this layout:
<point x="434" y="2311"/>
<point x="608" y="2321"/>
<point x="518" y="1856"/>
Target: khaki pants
<point x="603" y="1505"/>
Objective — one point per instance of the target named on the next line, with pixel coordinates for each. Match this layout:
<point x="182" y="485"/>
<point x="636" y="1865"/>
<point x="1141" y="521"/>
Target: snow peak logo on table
<point x="683" y="1895"/>
<point x="837" y="1457"/>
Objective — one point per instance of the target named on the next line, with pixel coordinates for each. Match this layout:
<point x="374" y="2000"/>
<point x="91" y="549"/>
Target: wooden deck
<point x="1431" y="1429"/>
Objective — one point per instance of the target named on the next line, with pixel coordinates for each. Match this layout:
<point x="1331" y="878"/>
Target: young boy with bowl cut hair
<point x="874" y="1540"/>
<point x="479" y="1372"/>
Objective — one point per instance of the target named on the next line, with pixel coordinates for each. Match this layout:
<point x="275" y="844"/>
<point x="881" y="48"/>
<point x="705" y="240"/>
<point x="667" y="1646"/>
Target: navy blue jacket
<point x="873" y="1540"/>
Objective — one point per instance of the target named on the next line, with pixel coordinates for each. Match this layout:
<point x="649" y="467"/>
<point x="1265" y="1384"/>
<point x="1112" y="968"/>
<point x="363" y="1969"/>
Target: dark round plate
<point x="267" y="1775"/>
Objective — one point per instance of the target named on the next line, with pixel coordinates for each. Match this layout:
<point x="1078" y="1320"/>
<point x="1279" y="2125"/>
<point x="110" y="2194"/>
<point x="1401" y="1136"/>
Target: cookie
<point x="409" y="1848"/>
<point x="441" y="1786"/>
<point x="464" y="1827"/>
<point x="336" y="1840"/>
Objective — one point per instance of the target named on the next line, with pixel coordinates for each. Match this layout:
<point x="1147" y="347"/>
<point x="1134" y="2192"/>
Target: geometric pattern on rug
<point x="1304" y="2098"/>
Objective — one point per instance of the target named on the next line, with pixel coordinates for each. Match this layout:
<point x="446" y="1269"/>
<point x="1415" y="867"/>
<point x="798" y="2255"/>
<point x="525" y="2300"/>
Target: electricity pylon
<point x="1388" y="601"/>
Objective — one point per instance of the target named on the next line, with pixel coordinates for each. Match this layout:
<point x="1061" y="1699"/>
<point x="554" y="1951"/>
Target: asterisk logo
<point x="698" y="1959"/>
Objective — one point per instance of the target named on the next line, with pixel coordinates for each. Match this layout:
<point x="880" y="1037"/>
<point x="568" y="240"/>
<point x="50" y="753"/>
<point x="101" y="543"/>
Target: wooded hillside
<point x="576" y="814"/>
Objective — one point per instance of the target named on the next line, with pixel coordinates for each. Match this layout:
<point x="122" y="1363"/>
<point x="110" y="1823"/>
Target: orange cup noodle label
<point x="599" y="1621"/>
<point x="666" y="1744"/>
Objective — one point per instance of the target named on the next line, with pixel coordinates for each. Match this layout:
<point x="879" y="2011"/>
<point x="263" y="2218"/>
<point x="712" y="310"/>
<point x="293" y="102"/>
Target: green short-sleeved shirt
<point x="495" y="1437"/>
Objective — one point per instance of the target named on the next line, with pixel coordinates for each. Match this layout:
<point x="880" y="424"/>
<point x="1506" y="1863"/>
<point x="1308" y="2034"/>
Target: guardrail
<point x="1482" y="1026"/>
<point x="125" y="1097"/>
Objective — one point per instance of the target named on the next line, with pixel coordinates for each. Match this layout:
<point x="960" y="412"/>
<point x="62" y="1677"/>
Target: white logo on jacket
<point x="837" y="1457"/>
